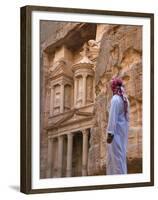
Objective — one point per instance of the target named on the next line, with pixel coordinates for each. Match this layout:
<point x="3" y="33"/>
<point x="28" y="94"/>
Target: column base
<point x="68" y="173"/>
<point x="84" y="170"/>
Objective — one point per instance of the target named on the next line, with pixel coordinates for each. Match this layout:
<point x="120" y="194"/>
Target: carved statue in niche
<point x="89" y="89"/>
<point x="92" y="44"/>
<point x="57" y="99"/>
<point x="79" y="91"/>
<point x="92" y="49"/>
<point x="67" y="95"/>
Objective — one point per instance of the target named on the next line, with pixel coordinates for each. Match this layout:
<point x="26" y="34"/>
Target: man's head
<point x="116" y="86"/>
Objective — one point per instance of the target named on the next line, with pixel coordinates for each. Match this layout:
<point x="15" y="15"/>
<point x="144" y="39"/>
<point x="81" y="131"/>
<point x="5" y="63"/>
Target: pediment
<point x="72" y="118"/>
<point x="76" y="118"/>
<point x="59" y="71"/>
<point x="62" y="68"/>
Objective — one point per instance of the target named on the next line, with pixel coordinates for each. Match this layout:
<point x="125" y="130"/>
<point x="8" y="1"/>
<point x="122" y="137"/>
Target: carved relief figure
<point x="57" y="99"/>
<point x="79" y="90"/>
<point x="89" y="89"/>
<point x="67" y="97"/>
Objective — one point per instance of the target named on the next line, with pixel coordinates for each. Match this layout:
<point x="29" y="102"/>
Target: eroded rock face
<point x="120" y="55"/>
<point x="120" y="47"/>
<point x="97" y="153"/>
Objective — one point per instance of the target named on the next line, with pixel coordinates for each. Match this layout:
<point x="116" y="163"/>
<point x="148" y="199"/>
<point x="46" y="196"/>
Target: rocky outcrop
<point x="97" y="153"/>
<point x="120" y="55"/>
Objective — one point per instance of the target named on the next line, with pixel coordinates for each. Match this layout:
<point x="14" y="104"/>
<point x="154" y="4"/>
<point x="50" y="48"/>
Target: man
<point x="117" y="130"/>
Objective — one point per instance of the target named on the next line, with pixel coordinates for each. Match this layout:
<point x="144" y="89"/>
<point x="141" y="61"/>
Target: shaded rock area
<point x="97" y="153"/>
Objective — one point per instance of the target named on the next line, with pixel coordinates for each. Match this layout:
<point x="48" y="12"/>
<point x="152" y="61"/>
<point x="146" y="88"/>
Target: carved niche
<point x="79" y="91"/>
<point x="67" y="97"/>
<point x="89" y="89"/>
<point x="56" y="99"/>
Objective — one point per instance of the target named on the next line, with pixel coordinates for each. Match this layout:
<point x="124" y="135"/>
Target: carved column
<point x="62" y="98"/>
<point x="69" y="155"/>
<point x="60" y="155"/>
<point x="75" y="91"/>
<point x="51" y="100"/>
<point x="84" y="152"/>
<point x="84" y="89"/>
<point x="50" y="158"/>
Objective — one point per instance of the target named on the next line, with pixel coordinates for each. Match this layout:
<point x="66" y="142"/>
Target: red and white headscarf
<point x="118" y="88"/>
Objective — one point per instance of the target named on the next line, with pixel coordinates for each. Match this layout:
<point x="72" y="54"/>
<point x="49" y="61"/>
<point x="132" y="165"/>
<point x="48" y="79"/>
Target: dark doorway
<point x="77" y="154"/>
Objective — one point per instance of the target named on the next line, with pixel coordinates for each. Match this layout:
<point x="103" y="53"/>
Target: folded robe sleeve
<point x="113" y="116"/>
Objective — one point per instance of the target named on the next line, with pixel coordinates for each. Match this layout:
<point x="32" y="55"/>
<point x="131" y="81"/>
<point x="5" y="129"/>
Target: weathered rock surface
<point x="120" y="55"/>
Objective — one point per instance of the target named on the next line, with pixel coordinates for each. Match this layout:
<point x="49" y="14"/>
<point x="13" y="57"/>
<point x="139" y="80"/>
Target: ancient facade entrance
<point x="68" y="154"/>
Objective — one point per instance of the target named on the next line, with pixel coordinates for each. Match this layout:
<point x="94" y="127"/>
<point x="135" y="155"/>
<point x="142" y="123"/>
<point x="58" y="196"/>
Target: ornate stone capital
<point x="84" y="75"/>
<point x="70" y="135"/>
<point x="85" y="131"/>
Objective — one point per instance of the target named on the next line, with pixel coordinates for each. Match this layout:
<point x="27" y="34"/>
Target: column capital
<point x="84" y="75"/>
<point x="60" y="137"/>
<point x="84" y="131"/>
<point x="62" y="83"/>
<point x="51" y="139"/>
<point x="70" y="134"/>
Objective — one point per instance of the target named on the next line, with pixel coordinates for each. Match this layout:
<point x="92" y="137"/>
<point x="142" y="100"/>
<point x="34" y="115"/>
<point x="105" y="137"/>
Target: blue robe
<point x="118" y="125"/>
